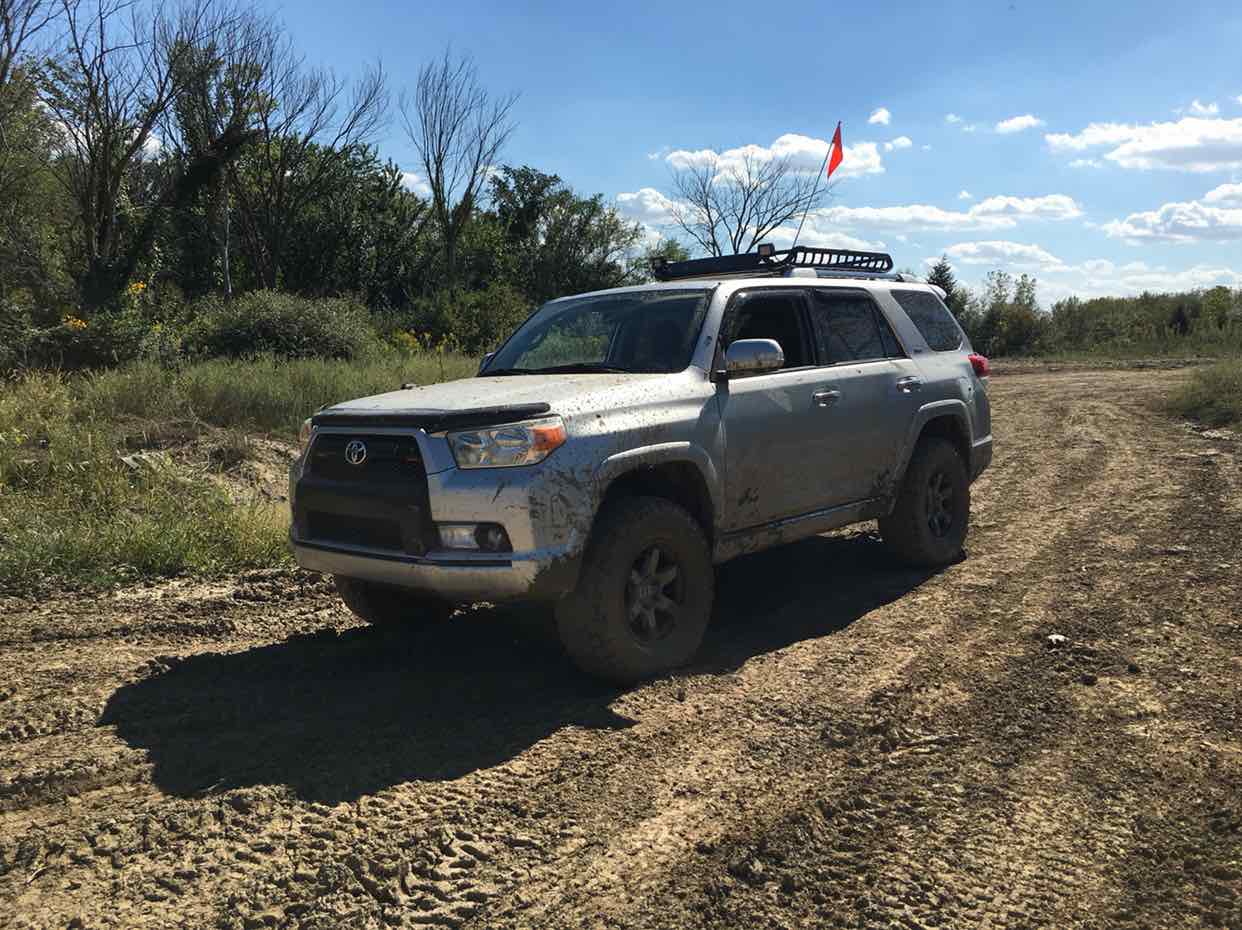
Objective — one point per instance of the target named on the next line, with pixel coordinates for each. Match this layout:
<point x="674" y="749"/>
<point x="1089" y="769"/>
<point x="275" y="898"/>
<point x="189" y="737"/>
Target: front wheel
<point x="644" y="595"/>
<point x="389" y="607"/>
<point x="929" y="521"/>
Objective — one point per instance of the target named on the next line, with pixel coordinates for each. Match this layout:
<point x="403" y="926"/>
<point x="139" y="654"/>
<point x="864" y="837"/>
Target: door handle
<point x="909" y="385"/>
<point x="826" y="398"/>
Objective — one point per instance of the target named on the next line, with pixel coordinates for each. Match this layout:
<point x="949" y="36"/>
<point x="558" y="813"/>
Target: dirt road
<point x="858" y="745"/>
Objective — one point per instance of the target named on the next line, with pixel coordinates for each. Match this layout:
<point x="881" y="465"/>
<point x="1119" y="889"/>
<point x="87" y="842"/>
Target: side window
<point x="932" y="318"/>
<point x="770" y="315"/>
<point x="847" y="328"/>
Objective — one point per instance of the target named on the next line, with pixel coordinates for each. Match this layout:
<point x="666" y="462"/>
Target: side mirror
<point x="751" y="356"/>
<point x="483" y="362"/>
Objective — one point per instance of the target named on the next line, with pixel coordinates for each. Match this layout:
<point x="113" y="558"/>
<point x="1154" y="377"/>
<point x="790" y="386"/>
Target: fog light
<point x="458" y="535"/>
<point x="490" y="537"/>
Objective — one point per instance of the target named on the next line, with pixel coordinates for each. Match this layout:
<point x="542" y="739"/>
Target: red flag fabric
<point x="835" y="159"/>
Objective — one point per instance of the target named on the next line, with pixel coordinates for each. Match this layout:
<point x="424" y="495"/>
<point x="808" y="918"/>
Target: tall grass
<point x="78" y="509"/>
<point x="1213" y="395"/>
<point x="261" y="394"/>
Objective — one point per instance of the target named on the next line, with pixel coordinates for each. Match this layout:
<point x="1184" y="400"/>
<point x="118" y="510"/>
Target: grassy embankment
<point x="1213" y="395"/>
<point x="117" y="475"/>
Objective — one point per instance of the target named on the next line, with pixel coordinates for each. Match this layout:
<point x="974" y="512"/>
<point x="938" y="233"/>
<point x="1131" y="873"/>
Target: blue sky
<point x="1097" y="145"/>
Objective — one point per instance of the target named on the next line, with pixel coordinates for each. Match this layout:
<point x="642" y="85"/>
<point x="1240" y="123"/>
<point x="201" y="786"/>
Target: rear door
<point x="870" y="396"/>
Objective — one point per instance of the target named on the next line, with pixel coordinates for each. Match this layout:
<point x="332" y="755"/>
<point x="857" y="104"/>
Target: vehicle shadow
<point x="334" y="716"/>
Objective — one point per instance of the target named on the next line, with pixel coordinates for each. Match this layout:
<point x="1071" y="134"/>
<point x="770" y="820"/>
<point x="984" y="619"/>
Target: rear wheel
<point x="929" y="522"/>
<point x="390" y="607"/>
<point x="644" y="596"/>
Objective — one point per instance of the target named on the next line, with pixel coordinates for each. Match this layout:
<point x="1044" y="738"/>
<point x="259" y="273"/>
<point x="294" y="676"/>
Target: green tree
<point x="558" y="242"/>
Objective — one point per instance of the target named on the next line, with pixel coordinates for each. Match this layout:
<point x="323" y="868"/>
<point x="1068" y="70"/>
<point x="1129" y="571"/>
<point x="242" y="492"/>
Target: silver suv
<point x="623" y="443"/>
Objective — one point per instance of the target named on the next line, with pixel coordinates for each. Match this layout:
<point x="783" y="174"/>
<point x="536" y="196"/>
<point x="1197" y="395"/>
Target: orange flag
<point x="835" y="159"/>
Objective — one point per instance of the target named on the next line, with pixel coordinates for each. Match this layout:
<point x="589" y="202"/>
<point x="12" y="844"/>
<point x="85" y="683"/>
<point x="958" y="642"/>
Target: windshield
<point x="638" y="331"/>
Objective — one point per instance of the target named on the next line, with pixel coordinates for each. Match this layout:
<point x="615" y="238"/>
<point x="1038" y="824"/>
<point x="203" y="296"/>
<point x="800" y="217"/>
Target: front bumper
<point x="545" y="509"/>
<point x="458" y="577"/>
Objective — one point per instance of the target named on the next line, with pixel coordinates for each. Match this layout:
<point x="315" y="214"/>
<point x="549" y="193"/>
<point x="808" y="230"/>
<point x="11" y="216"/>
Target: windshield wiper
<point x="505" y="371"/>
<point x="584" y="368"/>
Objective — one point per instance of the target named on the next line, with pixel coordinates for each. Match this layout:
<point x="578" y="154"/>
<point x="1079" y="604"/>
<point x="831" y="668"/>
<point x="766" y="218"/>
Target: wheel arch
<point x="947" y="419"/>
<point x="676" y="471"/>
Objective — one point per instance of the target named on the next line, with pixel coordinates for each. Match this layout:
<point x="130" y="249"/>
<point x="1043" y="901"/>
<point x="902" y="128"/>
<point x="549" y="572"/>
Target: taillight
<point x="980" y="364"/>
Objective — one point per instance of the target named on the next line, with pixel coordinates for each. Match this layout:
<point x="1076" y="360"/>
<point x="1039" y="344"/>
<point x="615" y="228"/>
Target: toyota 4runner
<point x="623" y="443"/>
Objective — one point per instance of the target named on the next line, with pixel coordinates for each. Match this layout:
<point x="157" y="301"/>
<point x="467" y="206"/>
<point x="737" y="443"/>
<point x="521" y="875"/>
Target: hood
<point x="501" y="399"/>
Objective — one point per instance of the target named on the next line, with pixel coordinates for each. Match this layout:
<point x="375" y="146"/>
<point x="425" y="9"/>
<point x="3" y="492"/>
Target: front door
<point x="773" y="424"/>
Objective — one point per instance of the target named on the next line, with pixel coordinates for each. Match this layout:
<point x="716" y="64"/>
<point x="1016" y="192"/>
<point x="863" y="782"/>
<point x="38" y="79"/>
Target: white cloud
<point x="927" y="148"/>
<point x="648" y="206"/>
<point x="1086" y="163"/>
<point x="1101" y="278"/>
<point x="1226" y="194"/>
<point x="1186" y="221"/>
<point x="660" y="153"/>
<point x="816" y="233"/>
<point x="412" y="181"/>
<point x="1097" y="277"/>
<point x="804" y="153"/>
<point x="992" y="213"/>
<point x="1018" y="123"/>
<point x="999" y="252"/>
<point x="880" y="117"/>
<point x="1238" y="98"/>
<point x="901" y="142"/>
<point x="965" y="195"/>
<point x="1203" y="109"/>
<point x="152" y="145"/>
<point x="1190" y="144"/>
<point x="952" y="119"/>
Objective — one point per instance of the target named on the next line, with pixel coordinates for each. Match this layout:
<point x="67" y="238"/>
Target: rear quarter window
<point x="932" y="318"/>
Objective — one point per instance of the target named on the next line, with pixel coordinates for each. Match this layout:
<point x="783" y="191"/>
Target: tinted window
<point x="932" y="318"/>
<point x="846" y="329"/>
<point x="770" y="316"/>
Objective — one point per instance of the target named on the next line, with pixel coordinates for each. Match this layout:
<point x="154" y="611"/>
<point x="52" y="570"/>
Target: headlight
<point x="508" y="445"/>
<point x="304" y="435"/>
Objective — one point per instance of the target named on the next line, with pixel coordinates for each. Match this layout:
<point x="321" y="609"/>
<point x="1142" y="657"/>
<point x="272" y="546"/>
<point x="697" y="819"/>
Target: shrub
<point x="472" y="322"/>
<point x="1213" y="395"/>
<point x="109" y="338"/>
<point x="280" y="325"/>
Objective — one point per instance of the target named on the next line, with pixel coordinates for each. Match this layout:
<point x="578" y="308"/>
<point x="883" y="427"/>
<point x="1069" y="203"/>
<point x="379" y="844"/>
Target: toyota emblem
<point x="356" y="452"/>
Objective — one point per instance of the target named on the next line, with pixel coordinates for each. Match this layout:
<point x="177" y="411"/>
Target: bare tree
<point x="458" y="129"/>
<point x="20" y="22"/>
<point x="727" y="205"/>
<point x="121" y="70"/>
<point x="309" y="122"/>
<point x="219" y="95"/>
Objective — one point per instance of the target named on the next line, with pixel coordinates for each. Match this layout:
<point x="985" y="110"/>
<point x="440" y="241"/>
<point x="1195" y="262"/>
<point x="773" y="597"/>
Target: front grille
<point x="380" y="503"/>
<point x="387" y="457"/>
<point x="354" y="531"/>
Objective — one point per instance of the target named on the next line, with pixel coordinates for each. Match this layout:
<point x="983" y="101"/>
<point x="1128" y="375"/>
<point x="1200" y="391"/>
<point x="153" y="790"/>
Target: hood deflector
<point x="433" y="421"/>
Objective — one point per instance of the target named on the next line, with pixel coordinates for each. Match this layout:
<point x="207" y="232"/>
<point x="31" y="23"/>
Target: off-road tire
<point x="910" y="532"/>
<point x="595" y="621"/>
<point x="387" y="607"/>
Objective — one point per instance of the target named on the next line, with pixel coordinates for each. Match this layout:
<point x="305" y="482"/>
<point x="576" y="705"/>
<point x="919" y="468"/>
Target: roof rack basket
<point x="767" y="260"/>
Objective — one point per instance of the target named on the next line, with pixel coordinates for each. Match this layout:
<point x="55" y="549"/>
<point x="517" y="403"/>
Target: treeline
<point x="158" y="161"/>
<point x="1004" y="318"/>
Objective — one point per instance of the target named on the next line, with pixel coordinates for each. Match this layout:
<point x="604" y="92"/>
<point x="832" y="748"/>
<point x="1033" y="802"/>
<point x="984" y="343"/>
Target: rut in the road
<point x="857" y="745"/>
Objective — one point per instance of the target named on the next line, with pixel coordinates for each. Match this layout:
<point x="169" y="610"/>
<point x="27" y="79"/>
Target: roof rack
<point x="767" y="260"/>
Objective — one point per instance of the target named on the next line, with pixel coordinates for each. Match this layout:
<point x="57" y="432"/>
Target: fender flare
<point x="925" y="414"/>
<point x="664" y="453"/>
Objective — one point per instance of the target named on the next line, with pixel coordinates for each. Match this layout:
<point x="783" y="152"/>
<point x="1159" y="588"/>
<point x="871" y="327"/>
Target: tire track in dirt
<point x="934" y="763"/>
